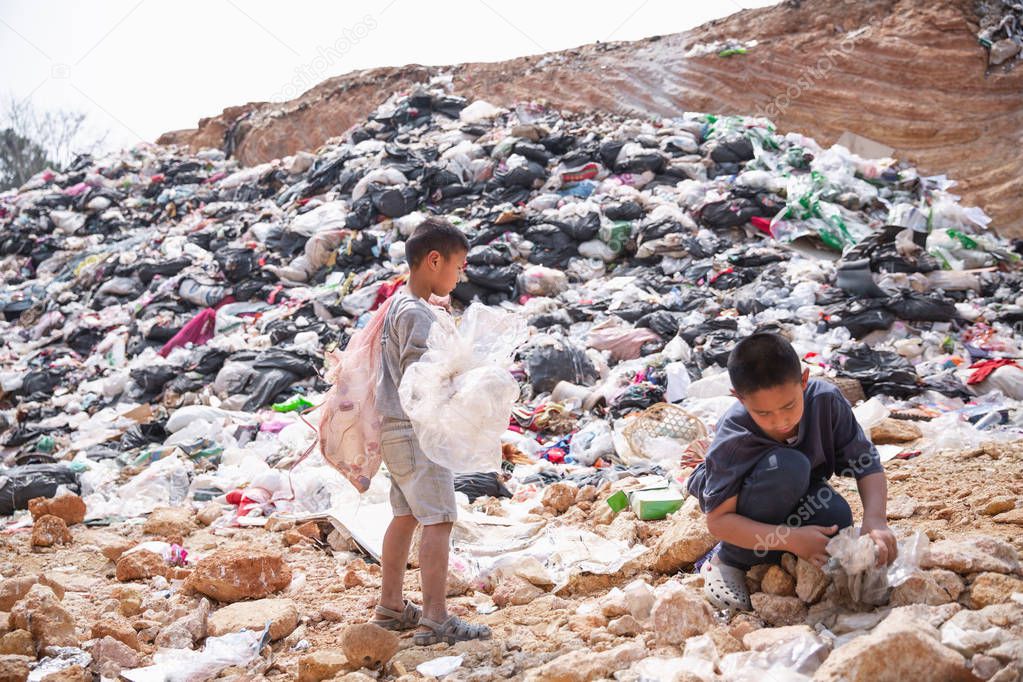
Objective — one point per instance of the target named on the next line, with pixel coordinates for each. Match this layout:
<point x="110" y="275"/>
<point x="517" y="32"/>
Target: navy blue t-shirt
<point x="829" y="436"/>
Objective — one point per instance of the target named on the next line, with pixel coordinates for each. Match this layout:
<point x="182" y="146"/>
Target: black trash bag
<point x="580" y="229"/>
<point x="361" y="214"/>
<point x="498" y="253"/>
<point x="494" y="278"/>
<point x="523" y="175"/>
<point x="147" y="270"/>
<point x="881" y="372"/>
<point x="627" y="210"/>
<point x="635" y="398"/>
<point x="915" y="307"/>
<point x="652" y="161"/>
<point x="141" y="435"/>
<point x="39" y="383"/>
<point x="153" y="379"/>
<point x="466" y="292"/>
<point x="734" y="149"/>
<point x="475" y="486"/>
<point x="552" y="247"/>
<point x="235" y="263"/>
<point x="729" y="213"/>
<point x="722" y="324"/>
<point x="557" y="318"/>
<point x="547" y="364"/>
<point x="609" y="153"/>
<point x="948" y="384"/>
<point x="394" y="202"/>
<point x="20" y="484"/>
<point x="534" y="152"/>
<point x="664" y="322"/>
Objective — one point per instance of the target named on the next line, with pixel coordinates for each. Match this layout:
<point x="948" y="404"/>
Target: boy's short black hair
<point x="762" y="361"/>
<point x="434" y="234"/>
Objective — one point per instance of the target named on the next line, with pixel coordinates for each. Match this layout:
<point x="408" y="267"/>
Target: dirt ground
<point x="942" y="493"/>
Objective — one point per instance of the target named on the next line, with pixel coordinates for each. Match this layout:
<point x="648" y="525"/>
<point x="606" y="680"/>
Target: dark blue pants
<point x="779" y="491"/>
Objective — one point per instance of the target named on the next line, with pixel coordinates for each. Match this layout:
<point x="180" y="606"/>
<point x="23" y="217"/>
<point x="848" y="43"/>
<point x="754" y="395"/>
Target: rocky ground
<point x="65" y="584"/>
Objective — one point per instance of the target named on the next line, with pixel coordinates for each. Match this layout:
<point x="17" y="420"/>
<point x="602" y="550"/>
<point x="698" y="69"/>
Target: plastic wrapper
<point x="459" y="395"/>
<point x="184" y="665"/>
<point x="857" y="577"/>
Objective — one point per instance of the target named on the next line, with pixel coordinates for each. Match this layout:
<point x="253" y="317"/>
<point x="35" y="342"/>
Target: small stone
<point x="236" y="574"/>
<point x="811" y="582"/>
<point x="169" y="522"/>
<point x="210" y="512"/>
<point x="118" y="628"/>
<point x="894" y="431"/>
<point x="275" y="523"/>
<point x="321" y="665"/>
<point x="904" y="654"/>
<point x="1002" y="51"/>
<point x="40" y="612"/>
<point x="69" y="507"/>
<point x="625" y="626"/>
<point x="993" y="588"/>
<point x="351" y="579"/>
<point x="587" y="493"/>
<point x="113" y="549"/>
<point x="901" y="507"/>
<point x="679" y="614"/>
<point x="75" y="673"/>
<point x="984" y="666"/>
<point x="1014" y="516"/>
<point x="765" y="638"/>
<point x="110" y="655"/>
<point x="997" y="505"/>
<point x="254" y="615"/>
<point x="778" y="581"/>
<point x="515" y="591"/>
<point x="583" y="665"/>
<point x="14" y="668"/>
<point x="334" y="613"/>
<point x="559" y="496"/>
<point x="13" y="589"/>
<point x="368" y="646"/>
<point x="685" y="541"/>
<point x="974" y="554"/>
<point x="187" y="630"/>
<point x="777" y="610"/>
<point x="49" y="530"/>
<point x="140" y="565"/>
<point x="18" y="642"/>
<point x="129" y="606"/>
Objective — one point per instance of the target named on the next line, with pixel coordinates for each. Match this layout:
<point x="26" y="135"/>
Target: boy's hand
<point x="884" y="539"/>
<point x="810" y="542"/>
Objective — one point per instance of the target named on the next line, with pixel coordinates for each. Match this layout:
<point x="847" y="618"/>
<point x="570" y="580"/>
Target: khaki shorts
<point x="419" y="486"/>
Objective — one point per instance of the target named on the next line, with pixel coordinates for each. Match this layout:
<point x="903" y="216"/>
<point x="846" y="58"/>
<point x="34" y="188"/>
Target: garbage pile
<point x="1001" y="30"/>
<point x="167" y="316"/>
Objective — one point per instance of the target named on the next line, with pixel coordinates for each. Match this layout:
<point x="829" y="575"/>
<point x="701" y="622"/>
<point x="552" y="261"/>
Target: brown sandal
<point x="398" y="620"/>
<point x="454" y="629"/>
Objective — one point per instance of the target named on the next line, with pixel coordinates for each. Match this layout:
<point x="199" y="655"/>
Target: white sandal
<point x="725" y="586"/>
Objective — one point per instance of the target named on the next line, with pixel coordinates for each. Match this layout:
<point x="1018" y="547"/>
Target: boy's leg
<point x="394" y="559"/>
<point x="433" y="570"/>
<point x="773" y="488"/>
<point x="823" y="506"/>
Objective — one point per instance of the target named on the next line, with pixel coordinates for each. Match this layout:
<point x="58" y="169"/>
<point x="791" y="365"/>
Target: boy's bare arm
<point x="873" y="490"/>
<point x="808" y="542"/>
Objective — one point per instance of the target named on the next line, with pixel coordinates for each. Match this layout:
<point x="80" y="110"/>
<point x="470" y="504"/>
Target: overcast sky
<point x="143" y="67"/>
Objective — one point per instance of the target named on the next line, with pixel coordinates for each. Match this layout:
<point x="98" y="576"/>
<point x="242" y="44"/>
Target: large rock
<point x="110" y="657"/>
<point x="811" y="582"/>
<point x="685" y="541"/>
<point x="49" y="530"/>
<point x="321" y="665"/>
<point x="41" y="613"/>
<point x="513" y="590"/>
<point x="777" y="581"/>
<point x="777" y="610"/>
<point x="993" y="588"/>
<point x="997" y="505"/>
<point x="169" y="522"/>
<point x="368" y="646"/>
<point x="118" y="628"/>
<point x="18" y="642"/>
<point x="559" y="496"/>
<point x="281" y="614"/>
<point x="583" y="665"/>
<point x="894" y="431"/>
<point x="894" y="656"/>
<point x="13" y="589"/>
<point x="679" y="613"/>
<point x="973" y="555"/>
<point x="236" y="574"/>
<point x="69" y="507"/>
<point x="920" y="588"/>
<point x="14" y="668"/>
<point x="140" y="565"/>
<point x="1013" y="516"/>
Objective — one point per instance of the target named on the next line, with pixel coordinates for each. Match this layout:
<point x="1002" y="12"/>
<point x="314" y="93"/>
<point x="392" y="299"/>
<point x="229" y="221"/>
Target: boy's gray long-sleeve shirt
<point x="403" y="341"/>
